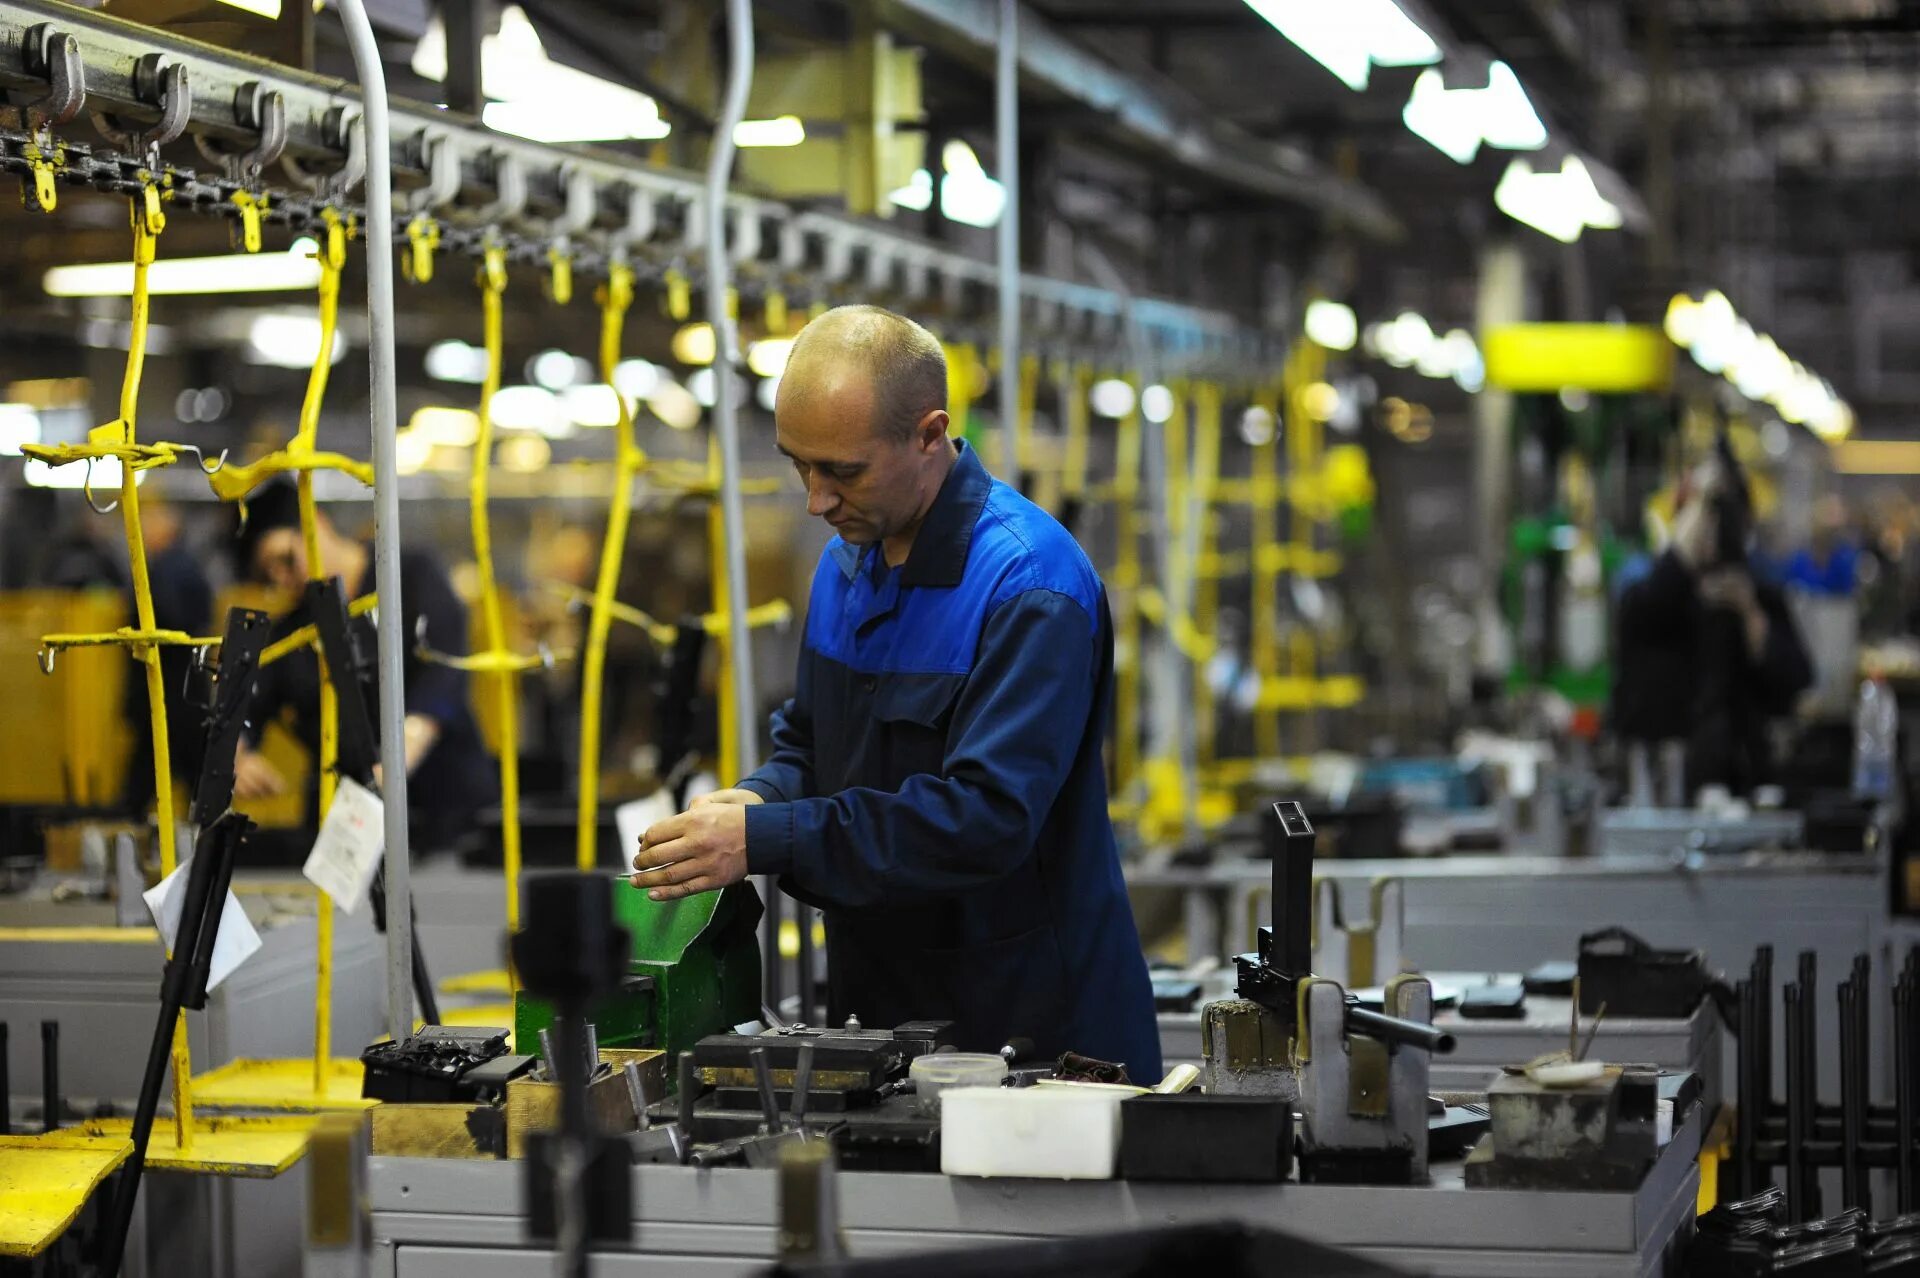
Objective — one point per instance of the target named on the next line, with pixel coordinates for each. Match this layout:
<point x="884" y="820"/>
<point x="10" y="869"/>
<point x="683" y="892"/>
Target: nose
<point x="821" y="498"/>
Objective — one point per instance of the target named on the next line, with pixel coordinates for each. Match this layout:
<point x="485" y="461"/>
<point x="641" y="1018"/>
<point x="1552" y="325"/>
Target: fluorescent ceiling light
<point x="783" y="130"/>
<point x="675" y="405"/>
<point x="262" y="8"/>
<point x="1332" y="325"/>
<point x="106" y="474"/>
<point x="455" y="361"/>
<point x="538" y="98"/>
<point x="767" y="393"/>
<point x="1110" y="397"/>
<point x="524" y="454"/>
<point x="1459" y="121"/>
<point x="290" y="341"/>
<point x="19" y="425"/>
<point x="556" y="370"/>
<point x="1560" y="204"/>
<point x="529" y="408"/>
<point x="297" y="268"/>
<point x="768" y="358"/>
<point x="1156" y="404"/>
<point x="694" y="343"/>
<point x="917" y="194"/>
<point x="595" y="405"/>
<point x="635" y="378"/>
<point x="1351" y="37"/>
<point x="702" y="384"/>
<point x="411" y="448"/>
<point x="967" y="194"/>
<point x="446" y="427"/>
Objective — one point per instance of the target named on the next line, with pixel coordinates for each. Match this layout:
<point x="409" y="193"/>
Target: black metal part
<point x="1271" y="976"/>
<point x="1904" y="1086"/>
<point x="1632" y="978"/>
<point x="233" y="694"/>
<point x="441" y="1064"/>
<point x="1192" y="1137"/>
<point x="572" y="952"/>
<point x="802" y="1086"/>
<point x="50" y="1099"/>
<point x="6" y="1085"/>
<point x="200" y="911"/>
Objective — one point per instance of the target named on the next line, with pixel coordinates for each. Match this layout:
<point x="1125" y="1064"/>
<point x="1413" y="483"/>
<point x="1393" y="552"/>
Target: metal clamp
<point x="441" y="160"/>
<point x="86" y="490"/>
<point x="341" y="128"/>
<point x="746" y="232"/>
<point x="642" y="219"/>
<point x="263" y="110"/>
<point x="45" y="657"/>
<point x="163" y="85"/>
<point x="57" y="54"/>
<point x="510" y="191"/>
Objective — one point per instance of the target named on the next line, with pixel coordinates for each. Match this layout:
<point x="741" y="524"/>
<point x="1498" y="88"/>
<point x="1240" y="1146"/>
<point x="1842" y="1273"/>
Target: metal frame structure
<point x="438" y="157"/>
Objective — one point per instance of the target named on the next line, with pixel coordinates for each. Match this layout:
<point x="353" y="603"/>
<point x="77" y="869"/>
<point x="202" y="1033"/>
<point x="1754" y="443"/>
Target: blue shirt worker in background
<point x="936" y="785"/>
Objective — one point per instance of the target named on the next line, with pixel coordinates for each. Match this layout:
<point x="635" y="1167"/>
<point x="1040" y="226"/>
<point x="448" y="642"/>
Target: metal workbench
<point x="461" y="1219"/>
<point x="1482" y="1047"/>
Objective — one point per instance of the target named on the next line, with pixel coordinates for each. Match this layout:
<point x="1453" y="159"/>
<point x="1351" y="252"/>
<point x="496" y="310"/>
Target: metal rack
<point x="249" y="114"/>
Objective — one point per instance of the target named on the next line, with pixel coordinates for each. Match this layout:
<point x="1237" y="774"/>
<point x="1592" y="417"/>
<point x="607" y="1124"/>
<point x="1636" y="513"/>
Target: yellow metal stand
<point x="1264" y="617"/>
<point x="1128" y="449"/>
<point x="252" y="1148"/>
<point x="321" y="1082"/>
<point x="616" y="296"/>
<point x="46" y="1180"/>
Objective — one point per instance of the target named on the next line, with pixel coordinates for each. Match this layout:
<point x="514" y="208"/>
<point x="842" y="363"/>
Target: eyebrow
<point x="828" y="462"/>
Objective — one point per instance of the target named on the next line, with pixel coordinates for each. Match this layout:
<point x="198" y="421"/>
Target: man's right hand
<point x="745" y="798"/>
<point x="254" y="777"/>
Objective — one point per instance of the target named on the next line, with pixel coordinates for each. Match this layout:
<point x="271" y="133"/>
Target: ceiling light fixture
<point x="1459" y="121"/>
<point x="1332" y="325"/>
<point x="1562" y="203"/>
<point x="1352" y="37"/>
<point x="782" y="130"/>
<point x="295" y="269"/>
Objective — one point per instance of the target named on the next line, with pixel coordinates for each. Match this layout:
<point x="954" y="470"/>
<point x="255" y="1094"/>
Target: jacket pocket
<point x="1005" y="989"/>
<point x="914" y="713"/>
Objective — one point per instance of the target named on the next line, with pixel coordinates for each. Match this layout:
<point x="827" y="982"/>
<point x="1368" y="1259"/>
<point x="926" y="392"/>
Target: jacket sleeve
<point x="1783" y="670"/>
<point x="1017" y="726"/>
<point x="434" y="691"/>
<point x="788" y="773"/>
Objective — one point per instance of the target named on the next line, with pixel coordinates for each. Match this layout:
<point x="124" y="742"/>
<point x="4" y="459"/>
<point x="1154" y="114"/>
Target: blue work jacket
<point x="937" y="787"/>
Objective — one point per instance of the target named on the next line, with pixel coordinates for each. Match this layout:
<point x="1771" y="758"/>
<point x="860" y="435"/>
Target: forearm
<point x="420" y="734"/>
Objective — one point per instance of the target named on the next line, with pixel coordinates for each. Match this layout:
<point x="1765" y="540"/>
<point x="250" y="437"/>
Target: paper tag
<point x="632" y="820"/>
<point x="234" y="945"/>
<point x="347" y="853"/>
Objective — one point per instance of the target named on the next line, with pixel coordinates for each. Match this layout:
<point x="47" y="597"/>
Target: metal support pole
<point x="386" y="513"/>
<point x="1006" y="122"/>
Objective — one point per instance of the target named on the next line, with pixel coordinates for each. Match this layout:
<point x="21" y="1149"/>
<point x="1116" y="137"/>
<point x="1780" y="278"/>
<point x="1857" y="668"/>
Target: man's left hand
<point x="702" y="850"/>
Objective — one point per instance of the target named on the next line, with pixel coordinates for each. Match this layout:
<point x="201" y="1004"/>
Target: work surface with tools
<point x="462" y="1219"/>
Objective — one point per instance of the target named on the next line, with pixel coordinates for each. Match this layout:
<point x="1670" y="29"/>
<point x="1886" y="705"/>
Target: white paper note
<point x="632" y="820"/>
<point x="347" y="853"/>
<point x="237" y="941"/>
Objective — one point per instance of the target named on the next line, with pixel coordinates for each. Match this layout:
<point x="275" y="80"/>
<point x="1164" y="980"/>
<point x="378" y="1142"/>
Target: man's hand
<point x="744" y="798"/>
<point x="254" y="777"/>
<point x="702" y="850"/>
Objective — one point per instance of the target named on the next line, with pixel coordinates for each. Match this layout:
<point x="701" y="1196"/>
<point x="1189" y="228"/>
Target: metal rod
<point x="687" y="1088"/>
<point x="1850" y="1099"/>
<point x="1741" y="1174"/>
<point x="1006" y="122"/>
<point x="802" y="1085"/>
<point x="386" y="512"/>
<point x="1904" y="1085"/>
<point x="763" y="1078"/>
<point x="6" y="1085"/>
<point x="1797" y="1206"/>
<point x="50" y="1075"/>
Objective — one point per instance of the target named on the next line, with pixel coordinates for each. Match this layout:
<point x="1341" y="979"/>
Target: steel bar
<point x="1797" y="1172"/>
<point x="6" y="1085"/>
<point x="318" y="109"/>
<point x="1850" y="1189"/>
<point x="391" y="642"/>
<point x="1748" y="1104"/>
<point x="50" y="1076"/>
<point x="1904" y="1087"/>
<point x="1006" y="126"/>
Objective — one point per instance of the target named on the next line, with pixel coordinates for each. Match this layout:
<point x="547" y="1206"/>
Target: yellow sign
<point x="1606" y="358"/>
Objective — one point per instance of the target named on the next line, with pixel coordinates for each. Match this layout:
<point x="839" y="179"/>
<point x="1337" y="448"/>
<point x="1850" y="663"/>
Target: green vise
<point x="695" y="971"/>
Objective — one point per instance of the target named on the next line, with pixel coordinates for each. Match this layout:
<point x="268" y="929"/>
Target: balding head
<point x="900" y="363"/>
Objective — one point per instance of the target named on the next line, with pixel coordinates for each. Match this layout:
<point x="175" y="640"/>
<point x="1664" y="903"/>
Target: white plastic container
<point x="1050" y="1133"/>
<point x="938" y="1073"/>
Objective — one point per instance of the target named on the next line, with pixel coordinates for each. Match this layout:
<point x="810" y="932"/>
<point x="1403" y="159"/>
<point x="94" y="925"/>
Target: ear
<point x="930" y="433"/>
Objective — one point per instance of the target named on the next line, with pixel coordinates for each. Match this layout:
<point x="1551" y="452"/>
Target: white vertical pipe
<point x="726" y="418"/>
<point x="386" y="513"/>
<point x="1006" y="121"/>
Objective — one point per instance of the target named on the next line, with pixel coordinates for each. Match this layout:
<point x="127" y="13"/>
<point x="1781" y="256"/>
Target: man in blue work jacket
<point x="936" y="784"/>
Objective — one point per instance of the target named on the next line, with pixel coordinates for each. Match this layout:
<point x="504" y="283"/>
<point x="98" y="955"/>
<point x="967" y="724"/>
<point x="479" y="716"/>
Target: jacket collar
<point x="939" y="554"/>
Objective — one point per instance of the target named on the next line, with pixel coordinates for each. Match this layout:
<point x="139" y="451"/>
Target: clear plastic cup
<point x="941" y="1071"/>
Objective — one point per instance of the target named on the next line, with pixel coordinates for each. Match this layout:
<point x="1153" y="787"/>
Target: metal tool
<point x="769" y="1104"/>
<point x="550" y="1059"/>
<point x="802" y="1086"/>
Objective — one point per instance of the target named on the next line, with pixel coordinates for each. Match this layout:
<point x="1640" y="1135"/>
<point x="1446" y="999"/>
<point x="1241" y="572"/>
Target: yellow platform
<point x="253" y="1148"/>
<point x="489" y="982"/>
<point x="44" y="1182"/>
<point x="281" y="1085"/>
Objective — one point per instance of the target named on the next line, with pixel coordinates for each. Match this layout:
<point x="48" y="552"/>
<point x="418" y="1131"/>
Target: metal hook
<point x="510" y="190"/>
<point x="340" y="128"/>
<point x="641" y="220"/>
<point x="45" y="657"/>
<point x="254" y="107"/>
<point x="442" y="162"/>
<point x="746" y="232"/>
<point x="86" y="487"/>
<point x="200" y="458"/>
<point x="58" y="54"/>
<point x="161" y="84"/>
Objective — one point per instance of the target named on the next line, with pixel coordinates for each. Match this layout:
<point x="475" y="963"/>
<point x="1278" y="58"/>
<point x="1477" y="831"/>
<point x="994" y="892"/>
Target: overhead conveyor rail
<point x="454" y="170"/>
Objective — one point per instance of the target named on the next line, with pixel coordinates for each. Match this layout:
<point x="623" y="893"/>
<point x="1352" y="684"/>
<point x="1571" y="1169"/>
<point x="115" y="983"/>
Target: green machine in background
<point x="695" y="971"/>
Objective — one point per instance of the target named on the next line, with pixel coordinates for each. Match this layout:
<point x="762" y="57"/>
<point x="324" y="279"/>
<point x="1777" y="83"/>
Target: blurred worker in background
<point x="182" y="600"/>
<point x="1707" y="654"/>
<point x="451" y="777"/>
<point x="937" y="784"/>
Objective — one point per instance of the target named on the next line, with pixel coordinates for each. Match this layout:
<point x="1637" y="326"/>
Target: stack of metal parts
<point x="1752" y="1237"/>
<point x="1803" y="1134"/>
<point x="846" y="1084"/>
<point x="1600" y="1134"/>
